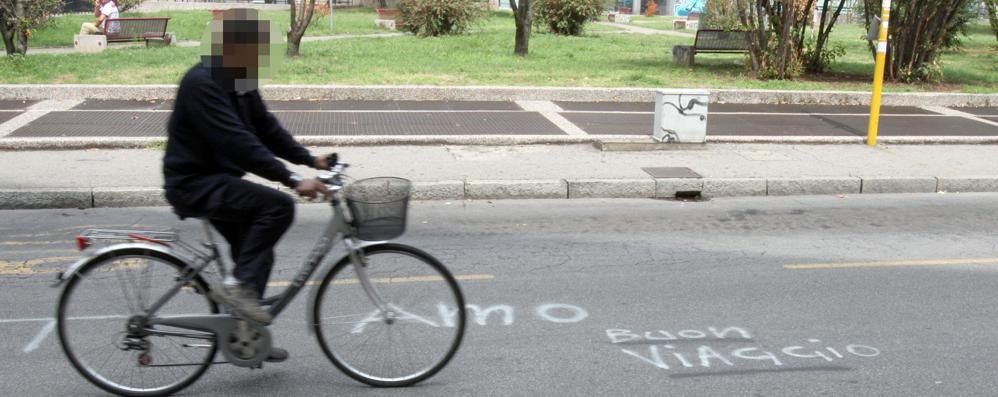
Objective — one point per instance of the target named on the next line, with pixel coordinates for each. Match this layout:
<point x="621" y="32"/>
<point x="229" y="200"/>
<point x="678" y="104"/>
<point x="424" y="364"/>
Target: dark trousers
<point x="251" y="217"/>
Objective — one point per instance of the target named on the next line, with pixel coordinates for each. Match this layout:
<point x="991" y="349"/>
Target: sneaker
<point x="242" y="299"/>
<point x="277" y="355"/>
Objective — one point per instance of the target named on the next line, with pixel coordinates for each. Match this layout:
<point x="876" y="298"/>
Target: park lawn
<point x="190" y="25"/>
<point x="972" y="68"/>
<point x="484" y="57"/>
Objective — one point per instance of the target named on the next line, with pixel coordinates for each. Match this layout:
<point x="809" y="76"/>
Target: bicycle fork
<point x="359" y="262"/>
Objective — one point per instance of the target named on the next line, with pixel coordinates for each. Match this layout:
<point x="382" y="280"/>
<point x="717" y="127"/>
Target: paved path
<point x="194" y="43"/>
<point x="627" y="28"/>
<point x="115" y="178"/>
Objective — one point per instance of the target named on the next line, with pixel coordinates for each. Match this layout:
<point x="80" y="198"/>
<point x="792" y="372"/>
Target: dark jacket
<point x="217" y="134"/>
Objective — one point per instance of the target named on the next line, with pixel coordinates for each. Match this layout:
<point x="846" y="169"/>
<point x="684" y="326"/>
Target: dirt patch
<point x="64" y="78"/>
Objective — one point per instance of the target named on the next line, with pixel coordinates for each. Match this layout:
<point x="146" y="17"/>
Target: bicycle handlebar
<point x="333" y="178"/>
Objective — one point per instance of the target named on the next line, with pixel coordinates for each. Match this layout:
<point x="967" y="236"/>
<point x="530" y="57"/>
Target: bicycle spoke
<point x="125" y="294"/>
<point x="86" y="313"/>
<point x="420" y="340"/>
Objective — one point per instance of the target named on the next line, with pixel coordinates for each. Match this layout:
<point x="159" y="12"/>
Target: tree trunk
<point x="992" y="6"/>
<point x="7" y="32"/>
<point x="521" y="13"/>
<point x="918" y="30"/>
<point x="20" y="35"/>
<point x="299" y="23"/>
<point x="814" y="63"/>
<point x="751" y="19"/>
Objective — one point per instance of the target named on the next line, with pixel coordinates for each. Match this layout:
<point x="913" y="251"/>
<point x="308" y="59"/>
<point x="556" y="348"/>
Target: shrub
<point x="439" y="17"/>
<point x="721" y="14"/>
<point x="567" y="17"/>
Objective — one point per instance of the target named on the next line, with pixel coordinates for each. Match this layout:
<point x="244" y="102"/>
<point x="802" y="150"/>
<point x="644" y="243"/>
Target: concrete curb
<point x="968" y="184"/>
<point x="551" y="189"/>
<point x="497" y="93"/>
<point x="602" y="142"/>
<point x="811" y="186"/>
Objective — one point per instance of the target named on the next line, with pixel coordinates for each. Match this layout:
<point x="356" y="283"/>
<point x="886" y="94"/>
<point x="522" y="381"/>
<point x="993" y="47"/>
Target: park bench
<point x="712" y="41"/>
<point x="136" y="29"/>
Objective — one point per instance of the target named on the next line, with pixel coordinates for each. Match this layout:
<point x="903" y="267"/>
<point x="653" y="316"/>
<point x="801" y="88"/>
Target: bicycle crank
<point x="246" y="344"/>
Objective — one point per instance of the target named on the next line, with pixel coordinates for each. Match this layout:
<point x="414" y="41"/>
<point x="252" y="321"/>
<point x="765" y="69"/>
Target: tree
<point x="780" y="45"/>
<point x="918" y="31"/>
<point x="992" y="6"/>
<point x="816" y="59"/>
<point x="299" y="23"/>
<point x="521" y="13"/>
<point x="19" y="17"/>
<point x="775" y="29"/>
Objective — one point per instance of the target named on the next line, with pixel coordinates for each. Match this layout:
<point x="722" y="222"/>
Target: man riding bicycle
<point x="219" y="130"/>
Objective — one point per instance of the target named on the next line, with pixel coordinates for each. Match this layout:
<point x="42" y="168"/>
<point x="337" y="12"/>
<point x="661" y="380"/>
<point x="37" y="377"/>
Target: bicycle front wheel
<point x="115" y="290"/>
<point x="418" y="335"/>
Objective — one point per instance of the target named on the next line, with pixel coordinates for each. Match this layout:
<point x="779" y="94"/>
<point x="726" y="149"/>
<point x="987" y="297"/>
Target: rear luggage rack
<point x="145" y="235"/>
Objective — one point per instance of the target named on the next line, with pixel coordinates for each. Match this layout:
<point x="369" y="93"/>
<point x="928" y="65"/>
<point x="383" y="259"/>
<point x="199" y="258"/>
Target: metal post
<point x="878" y="74"/>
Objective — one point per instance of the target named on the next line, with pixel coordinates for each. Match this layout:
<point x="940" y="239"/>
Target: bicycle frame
<point x="336" y="230"/>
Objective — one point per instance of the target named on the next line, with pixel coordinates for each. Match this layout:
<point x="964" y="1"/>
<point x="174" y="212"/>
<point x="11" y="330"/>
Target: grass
<point x="190" y="25"/>
<point x="484" y="56"/>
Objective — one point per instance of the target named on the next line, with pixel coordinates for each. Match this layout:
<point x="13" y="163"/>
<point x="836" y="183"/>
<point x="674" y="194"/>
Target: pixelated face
<point x="243" y="43"/>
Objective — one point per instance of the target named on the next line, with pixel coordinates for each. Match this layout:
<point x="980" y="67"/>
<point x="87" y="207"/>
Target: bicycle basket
<point x="379" y="207"/>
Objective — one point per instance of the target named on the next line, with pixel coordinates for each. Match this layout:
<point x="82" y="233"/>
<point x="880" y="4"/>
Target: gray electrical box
<point x="681" y="115"/>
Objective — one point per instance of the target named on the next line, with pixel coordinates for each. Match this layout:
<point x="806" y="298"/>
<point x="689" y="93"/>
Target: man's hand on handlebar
<point x="311" y="188"/>
<point x="325" y="162"/>
<point x="321" y="164"/>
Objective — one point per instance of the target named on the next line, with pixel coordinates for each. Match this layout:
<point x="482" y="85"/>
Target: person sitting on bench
<point x="103" y="10"/>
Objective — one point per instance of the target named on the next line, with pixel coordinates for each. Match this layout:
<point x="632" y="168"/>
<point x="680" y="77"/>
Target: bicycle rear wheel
<point x="116" y="288"/>
<point x="369" y="346"/>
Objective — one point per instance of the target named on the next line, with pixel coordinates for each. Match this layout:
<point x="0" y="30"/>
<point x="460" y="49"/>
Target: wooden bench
<point x="136" y="29"/>
<point x="712" y="41"/>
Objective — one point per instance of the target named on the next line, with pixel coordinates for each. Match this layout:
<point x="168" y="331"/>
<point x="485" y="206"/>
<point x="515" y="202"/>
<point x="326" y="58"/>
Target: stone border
<point x="497" y="93"/>
<point x="553" y="189"/>
<point x="602" y="142"/>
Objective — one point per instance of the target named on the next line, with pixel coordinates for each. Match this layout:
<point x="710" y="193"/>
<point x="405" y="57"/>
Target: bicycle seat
<point x="185" y="214"/>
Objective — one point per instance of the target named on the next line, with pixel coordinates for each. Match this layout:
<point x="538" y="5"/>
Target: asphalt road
<point x="873" y="295"/>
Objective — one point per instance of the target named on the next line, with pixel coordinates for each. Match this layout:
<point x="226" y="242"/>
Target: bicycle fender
<point x="313" y="293"/>
<point x="71" y="271"/>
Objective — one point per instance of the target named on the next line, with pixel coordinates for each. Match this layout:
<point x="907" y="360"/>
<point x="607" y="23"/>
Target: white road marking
<point x="953" y="112"/>
<point x="42" y="334"/>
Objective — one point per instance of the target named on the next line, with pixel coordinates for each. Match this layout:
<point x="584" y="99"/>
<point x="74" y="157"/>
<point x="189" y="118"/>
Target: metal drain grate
<point x="471" y="123"/>
<point x="391" y="105"/>
<point x="95" y="124"/>
<point x="15" y="104"/>
<point x="97" y="104"/>
<point x="671" y="172"/>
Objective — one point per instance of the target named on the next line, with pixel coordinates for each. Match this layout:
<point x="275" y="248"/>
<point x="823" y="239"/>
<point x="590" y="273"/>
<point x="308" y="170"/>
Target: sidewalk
<point x="118" y="178"/>
<point x="461" y="143"/>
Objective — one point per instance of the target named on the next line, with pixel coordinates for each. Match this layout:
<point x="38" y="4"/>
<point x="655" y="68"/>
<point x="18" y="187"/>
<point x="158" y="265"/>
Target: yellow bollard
<point x="878" y="74"/>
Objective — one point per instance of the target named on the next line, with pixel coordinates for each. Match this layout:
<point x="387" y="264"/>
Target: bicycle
<point x="395" y="315"/>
